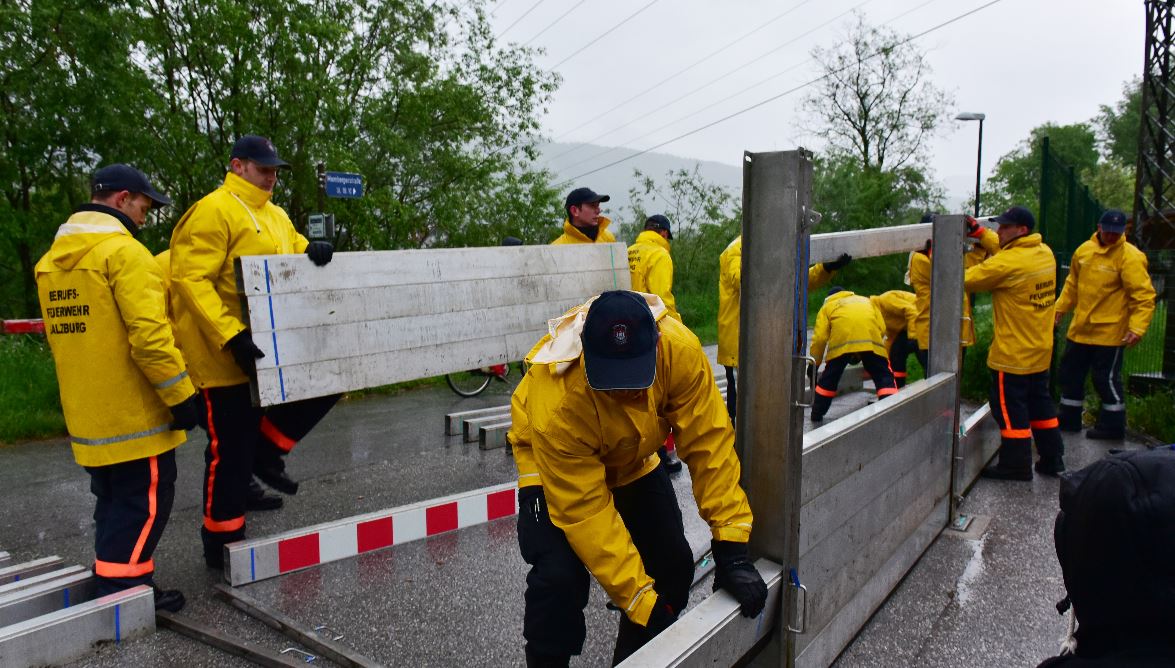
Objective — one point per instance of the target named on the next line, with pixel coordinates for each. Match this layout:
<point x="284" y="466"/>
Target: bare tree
<point x="875" y="101"/>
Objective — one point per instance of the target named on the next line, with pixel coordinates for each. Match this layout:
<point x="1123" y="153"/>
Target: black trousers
<point x="557" y="584"/>
<point x="238" y="434"/>
<point x="826" y="385"/>
<point x="731" y="387"/>
<point x="1104" y="366"/>
<point x="134" y="502"/>
<point x="899" y="352"/>
<point x="1024" y="411"/>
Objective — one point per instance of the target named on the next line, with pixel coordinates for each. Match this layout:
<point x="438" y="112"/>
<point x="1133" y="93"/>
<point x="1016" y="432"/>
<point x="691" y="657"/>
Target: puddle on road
<point x="964" y="587"/>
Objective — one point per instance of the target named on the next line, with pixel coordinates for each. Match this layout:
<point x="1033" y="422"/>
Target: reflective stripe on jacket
<point x="572" y="235"/>
<point x="118" y="369"/>
<point x="1022" y="279"/>
<point x="847" y="323"/>
<point x="651" y="267"/>
<point x="1109" y="292"/>
<point x="586" y="443"/>
<point x="235" y="220"/>
<point x="730" y="269"/>
<point x="897" y="312"/>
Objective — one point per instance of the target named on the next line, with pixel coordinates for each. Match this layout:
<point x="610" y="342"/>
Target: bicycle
<point x="473" y="382"/>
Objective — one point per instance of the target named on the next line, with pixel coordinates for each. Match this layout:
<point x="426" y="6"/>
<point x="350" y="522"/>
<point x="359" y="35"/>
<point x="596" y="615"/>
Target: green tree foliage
<point x="705" y="217"/>
<point x="1016" y="180"/>
<point x="1118" y="125"/>
<point x="414" y="94"/>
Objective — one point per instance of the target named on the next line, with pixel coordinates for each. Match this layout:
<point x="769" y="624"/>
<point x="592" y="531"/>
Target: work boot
<point x="1098" y="434"/>
<point x="1110" y="426"/>
<point x="257" y="499"/>
<point x="1050" y="467"/>
<point x="1069" y="419"/>
<point x="534" y="660"/>
<point x="1013" y="462"/>
<point x="270" y="468"/>
<point x="171" y="600"/>
<point x="670" y="461"/>
<point x="997" y="473"/>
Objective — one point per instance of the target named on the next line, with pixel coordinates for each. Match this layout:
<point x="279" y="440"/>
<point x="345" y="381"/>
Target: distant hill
<point x="568" y="160"/>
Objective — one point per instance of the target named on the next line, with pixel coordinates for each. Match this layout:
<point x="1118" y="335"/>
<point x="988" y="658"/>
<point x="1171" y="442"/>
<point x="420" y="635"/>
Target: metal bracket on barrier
<point x="809" y="382"/>
<point x="309" y="657"/>
<point x="800" y="589"/>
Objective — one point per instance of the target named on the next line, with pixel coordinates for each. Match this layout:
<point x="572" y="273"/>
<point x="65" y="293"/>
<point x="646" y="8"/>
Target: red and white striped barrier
<point x="36" y="326"/>
<point x="261" y="558"/>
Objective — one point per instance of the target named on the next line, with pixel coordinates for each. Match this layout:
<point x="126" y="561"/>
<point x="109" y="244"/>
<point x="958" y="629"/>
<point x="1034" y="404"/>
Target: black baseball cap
<point x="1016" y="215"/>
<point x="1113" y="221"/>
<point x="658" y="222"/>
<point x="258" y="149"/>
<point x="581" y="196"/>
<point x="619" y="342"/>
<point x="119" y="177"/>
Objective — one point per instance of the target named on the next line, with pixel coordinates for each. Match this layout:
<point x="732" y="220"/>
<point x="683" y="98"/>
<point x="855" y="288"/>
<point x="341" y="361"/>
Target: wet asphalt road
<point x="456" y="599"/>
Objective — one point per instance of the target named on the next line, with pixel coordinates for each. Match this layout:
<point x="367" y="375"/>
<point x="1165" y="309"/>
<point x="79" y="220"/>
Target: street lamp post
<point x="973" y="116"/>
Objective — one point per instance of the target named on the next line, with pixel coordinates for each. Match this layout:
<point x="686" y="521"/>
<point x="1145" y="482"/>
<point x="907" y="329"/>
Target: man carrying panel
<point x="602" y="392"/>
<point x="849" y="328"/>
<point x="235" y="220"/>
<point x="1110" y="294"/>
<point x="1022" y="280"/>
<point x="124" y="388"/>
<point x="730" y="270"/>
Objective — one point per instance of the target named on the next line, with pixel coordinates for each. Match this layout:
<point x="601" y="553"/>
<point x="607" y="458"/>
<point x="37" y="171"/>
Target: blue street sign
<point x="344" y="184"/>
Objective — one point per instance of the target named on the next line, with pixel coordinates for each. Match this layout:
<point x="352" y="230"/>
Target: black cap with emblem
<point x="620" y="342"/>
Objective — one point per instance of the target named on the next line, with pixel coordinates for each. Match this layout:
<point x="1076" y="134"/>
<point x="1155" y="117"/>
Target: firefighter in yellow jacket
<point x="650" y="263"/>
<point x="730" y="271"/>
<point x="1022" y="280"/>
<point x="1111" y="297"/>
<point x="584" y="224"/>
<point x="987" y="243"/>
<point x="235" y="220"/>
<point x="604" y="388"/>
<point x="897" y="311"/>
<point x="849" y="328"/>
<point x="125" y="391"/>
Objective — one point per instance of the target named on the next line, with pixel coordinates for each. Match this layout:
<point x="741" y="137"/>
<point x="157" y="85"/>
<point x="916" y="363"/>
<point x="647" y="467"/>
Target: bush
<point x="30" y="406"/>
<point x="1152" y="415"/>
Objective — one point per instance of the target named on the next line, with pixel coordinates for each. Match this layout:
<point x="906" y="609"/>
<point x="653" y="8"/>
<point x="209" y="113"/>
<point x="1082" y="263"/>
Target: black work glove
<point x="838" y="263"/>
<point x="245" y="352"/>
<point x="186" y="414"/>
<point x="974" y="229"/>
<point x="320" y="252"/>
<point x="660" y="618"/>
<point x="734" y="572"/>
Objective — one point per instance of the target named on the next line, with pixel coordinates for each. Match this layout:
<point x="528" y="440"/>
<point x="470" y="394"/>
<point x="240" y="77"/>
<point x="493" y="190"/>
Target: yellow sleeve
<point x="1067" y="301"/>
<point x="1140" y="293"/>
<point x="519" y="437"/>
<point x="660" y="281"/>
<point x="818" y="276"/>
<point x="820" y="336"/>
<point x="199" y="248"/>
<point x="987" y="275"/>
<point x="580" y="503"/>
<point x="137" y="284"/>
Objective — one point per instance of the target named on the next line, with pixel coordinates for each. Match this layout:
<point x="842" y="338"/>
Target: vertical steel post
<point x="772" y="362"/>
<point x="978" y="167"/>
<point x="946" y="320"/>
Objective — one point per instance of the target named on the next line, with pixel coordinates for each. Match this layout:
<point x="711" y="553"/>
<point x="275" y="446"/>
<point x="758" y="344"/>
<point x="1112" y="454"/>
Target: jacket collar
<point x="572" y="230"/>
<point x="652" y="237"/>
<point x="839" y="295"/>
<point x="1102" y="248"/>
<point x="248" y="193"/>
<point x="1033" y="239"/>
<point x="110" y="211"/>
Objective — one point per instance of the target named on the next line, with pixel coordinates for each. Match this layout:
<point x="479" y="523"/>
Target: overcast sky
<point x="1021" y="62"/>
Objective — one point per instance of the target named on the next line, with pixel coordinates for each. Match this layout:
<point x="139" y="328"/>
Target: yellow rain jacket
<point x="847" y="323"/>
<point x="1110" y="292"/>
<point x="234" y="220"/>
<point x="571" y="235"/>
<point x="102" y="299"/>
<point x="919" y="279"/>
<point x="1022" y="279"/>
<point x="730" y="271"/>
<point x="585" y="443"/>
<point x="651" y="267"/>
<point x="897" y="312"/>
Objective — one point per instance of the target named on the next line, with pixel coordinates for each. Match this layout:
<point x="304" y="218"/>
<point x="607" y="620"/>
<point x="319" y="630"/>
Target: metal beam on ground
<point x="454" y="421"/>
<point x="493" y="435"/>
<point x="294" y="630"/>
<point x="714" y="633"/>
<point x="4" y="557"/>
<point x="48" y="596"/>
<point x="235" y="646"/>
<point x="17" y="572"/>
<point x="69" y="634"/>
<point x="772" y="360"/>
<point x="469" y="426"/>
<point x="261" y="558"/>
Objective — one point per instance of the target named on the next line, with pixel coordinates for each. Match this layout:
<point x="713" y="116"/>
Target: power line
<point x="601" y="35"/>
<point x="775" y="97"/>
<point x="552" y="23"/>
<point x="524" y="15"/>
<point x="715" y="103"/>
<point x="721" y="77"/>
